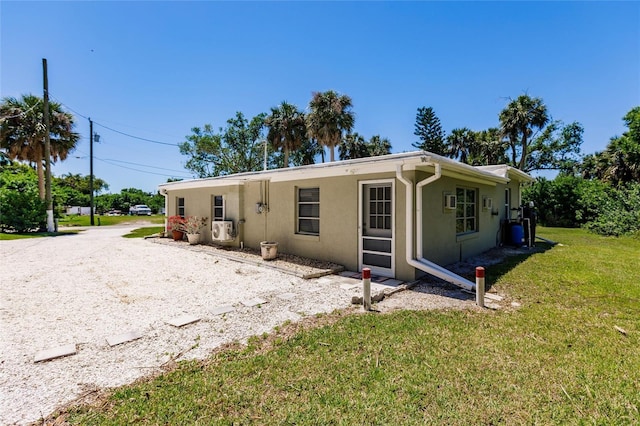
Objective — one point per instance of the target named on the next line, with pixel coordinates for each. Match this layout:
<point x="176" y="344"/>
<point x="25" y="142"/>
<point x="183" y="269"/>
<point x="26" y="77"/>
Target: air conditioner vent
<point x="450" y="202"/>
<point x="222" y="230"/>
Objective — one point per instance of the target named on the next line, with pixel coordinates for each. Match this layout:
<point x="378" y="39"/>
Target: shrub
<point x="21" y="209"/>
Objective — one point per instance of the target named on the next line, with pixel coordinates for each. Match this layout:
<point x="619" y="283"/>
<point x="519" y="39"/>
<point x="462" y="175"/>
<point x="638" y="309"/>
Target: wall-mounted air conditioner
<point x="222" y="230"/>
<point x="450" y="202"/>
<point x="487" y="203"/>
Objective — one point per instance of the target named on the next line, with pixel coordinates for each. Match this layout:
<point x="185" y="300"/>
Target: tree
<point x="329" y="117"/>
<point x="81" y="183"/>
<point x="537" y="142"/>
<point x="307" y="153"/>
<point x="287" y="129"/>
<point x="491" y="149"/>
<point x="429" y="130"/>
<point x="619" y="163"/>
<point x="21" y="209"/>
<point x="22" y="132"/>
<point x="556" y="148"/>
<point x="461" y="144"/>
<point x="237" y="148"/>
<point x="378" y="146"/>
<point x="519" y="120"/>
<point x="353" y="146"/>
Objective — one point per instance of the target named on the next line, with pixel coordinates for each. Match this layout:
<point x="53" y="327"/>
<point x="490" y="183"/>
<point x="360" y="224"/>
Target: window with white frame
<point x="466" y="211"/>
<point x="308" y="211"/>
<point x="180" y="206"/>
<point x="218" y="208"/>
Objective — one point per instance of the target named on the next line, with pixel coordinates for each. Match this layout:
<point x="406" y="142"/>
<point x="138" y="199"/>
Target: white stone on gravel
<point x="183" y="320"/>
<point x="129" y="336"/>
<point x="220" y="310"/>
<point x="57" y="352"/>
<point x="254" y="302"/>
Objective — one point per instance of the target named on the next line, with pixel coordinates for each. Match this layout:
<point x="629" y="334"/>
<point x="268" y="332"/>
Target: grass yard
<point x="558" y="359"/>
<point x="16" y="236"/>
<point x="144" y="232"/>
<point x="75" y="220"/>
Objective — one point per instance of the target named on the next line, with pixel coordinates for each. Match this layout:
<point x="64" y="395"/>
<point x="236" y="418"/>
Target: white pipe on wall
<point x="420" y="262"/>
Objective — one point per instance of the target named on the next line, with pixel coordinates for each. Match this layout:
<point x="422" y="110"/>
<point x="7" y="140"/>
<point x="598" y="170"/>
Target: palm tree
<point x="461" y="144"/>
<point x="329" y="117"/>
<point x="518" y="121"/>
<point x="379" y="146"/>
<point x="353" y="146"/>
<point x="491" y="148"/>
<point x="22" y="132"/>
<point x="287" y="129"/>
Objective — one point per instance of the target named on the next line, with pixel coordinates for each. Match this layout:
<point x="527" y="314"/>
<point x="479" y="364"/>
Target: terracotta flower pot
<point x="177" y="235"/>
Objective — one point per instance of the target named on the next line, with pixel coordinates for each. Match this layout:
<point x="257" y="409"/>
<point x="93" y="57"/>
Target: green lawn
<point x="558" y="359"/>
<point x="75" y="220"/>
<point x="144" y="232"/>
<point x="12" y="236"/>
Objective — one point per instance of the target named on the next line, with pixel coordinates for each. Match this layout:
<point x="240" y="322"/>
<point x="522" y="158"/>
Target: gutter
<point x="420" y="262"/>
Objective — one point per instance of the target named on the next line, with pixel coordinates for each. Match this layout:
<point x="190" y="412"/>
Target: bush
<point x="569" y="201"/>
<point x="21" y="211"/>
<point x="619" y="214"/>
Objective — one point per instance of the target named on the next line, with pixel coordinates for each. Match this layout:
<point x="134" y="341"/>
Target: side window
<point x="466" y="211"/>
<point x="180" y="206"/>
<point x="218" y="208"/>
<point x="308" y="211"/>
<point x="507" y="203"/>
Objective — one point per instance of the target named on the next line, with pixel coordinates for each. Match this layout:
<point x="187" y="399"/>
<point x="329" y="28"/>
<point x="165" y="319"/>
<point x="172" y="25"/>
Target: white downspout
<point x="419" y="262"/>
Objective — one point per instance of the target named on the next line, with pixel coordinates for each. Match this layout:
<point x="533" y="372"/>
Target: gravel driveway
<point x="83" y="289"/>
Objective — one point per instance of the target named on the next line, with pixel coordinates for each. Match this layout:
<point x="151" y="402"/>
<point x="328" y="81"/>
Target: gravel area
<point x="82" y="289"/>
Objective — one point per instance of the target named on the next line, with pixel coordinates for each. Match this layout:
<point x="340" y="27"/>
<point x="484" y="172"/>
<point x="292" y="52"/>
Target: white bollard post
<point x="480" y="286"/>
<point x="366" y="288"/>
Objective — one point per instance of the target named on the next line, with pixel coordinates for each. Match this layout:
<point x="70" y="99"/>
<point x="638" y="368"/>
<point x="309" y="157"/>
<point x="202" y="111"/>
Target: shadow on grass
<point x="497" y="262"/>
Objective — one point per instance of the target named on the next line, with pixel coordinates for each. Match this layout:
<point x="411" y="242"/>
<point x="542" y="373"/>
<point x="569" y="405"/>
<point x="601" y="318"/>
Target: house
<point x="401" y="215"/>
<point x="79" y="210"/>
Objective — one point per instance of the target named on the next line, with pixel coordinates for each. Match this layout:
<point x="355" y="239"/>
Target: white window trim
<point x="298" y="202"/>
<point x="184" y="206"/>
<point x="213" y="207"/>
<point x="475" y="211"/>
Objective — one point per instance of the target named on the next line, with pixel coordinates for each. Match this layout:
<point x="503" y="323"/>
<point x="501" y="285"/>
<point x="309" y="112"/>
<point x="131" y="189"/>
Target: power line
<point x="142" y="165"/>
<point x="114" y="130"/>
<point x="112" y="162"/>
<point x="136" y="137"/>
<point x="141" y="171"/>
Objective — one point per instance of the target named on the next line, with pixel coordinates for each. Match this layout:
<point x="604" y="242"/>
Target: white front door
<point x="376" y="227"/>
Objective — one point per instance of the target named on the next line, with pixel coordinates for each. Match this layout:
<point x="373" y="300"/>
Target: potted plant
<point x="192" y="226"/>
<point x="174" y="226"/>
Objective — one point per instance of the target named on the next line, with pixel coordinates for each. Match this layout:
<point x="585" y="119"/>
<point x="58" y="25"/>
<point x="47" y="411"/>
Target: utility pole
<point x="47" y="150"/>
<point x="91" y="169"/>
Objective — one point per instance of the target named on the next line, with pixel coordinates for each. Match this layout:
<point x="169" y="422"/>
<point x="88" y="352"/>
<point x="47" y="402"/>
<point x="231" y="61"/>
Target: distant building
<point x="81" y="211"/>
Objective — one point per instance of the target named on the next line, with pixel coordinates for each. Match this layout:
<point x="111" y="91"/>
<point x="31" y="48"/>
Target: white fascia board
<point x="199" y="183"/>
<point x="508" y="172"/>
<point x="417" y="160"/>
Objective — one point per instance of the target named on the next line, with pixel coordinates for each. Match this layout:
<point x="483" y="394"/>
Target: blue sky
<point x="157" y="69"/>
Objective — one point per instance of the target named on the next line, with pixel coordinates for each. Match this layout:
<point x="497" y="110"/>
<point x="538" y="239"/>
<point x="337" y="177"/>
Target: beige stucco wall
<point x="338" y="240"/>
<point x="440" y="242"/>
<point x="339" y="222"/>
